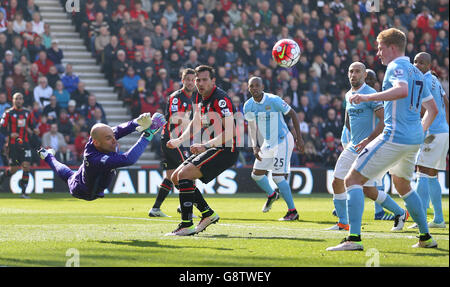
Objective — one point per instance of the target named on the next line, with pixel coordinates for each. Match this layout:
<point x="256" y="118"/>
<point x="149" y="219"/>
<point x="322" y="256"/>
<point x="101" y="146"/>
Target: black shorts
<point x="18" y="153"/>
<point x="173" y="158"/>
<point x="213" y="162"/>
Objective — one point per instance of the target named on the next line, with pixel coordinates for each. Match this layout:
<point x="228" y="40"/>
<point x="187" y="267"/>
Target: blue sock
<point x="416" y="210"/>
<point x="355" y="207"/>
<point x="263" y="182"/>
<point x="62" y="170"/>
<point x="436" y="199"/>
<point x="423" y="190"/>
<point x="391" y="205"/>
<point x="285" y="191"/>
<point x="378" y="208"/>
<point x="340" y="204"/>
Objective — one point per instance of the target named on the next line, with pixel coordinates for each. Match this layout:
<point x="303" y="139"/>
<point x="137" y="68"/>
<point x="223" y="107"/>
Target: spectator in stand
<point x="65" y="155"/>
<point x="53" y="77"/>
<point x="166" y="82"/>
<point x="72" y="112"/>
<point x="88" y="111"/>
<point x="38" y="24"/>
<point x="69" y="79"/>
<point x="138" y="64"/>
<point x="313" y="95"/>
<point x="19" y="23"/>
<point x="129" y="84"/>
<point x="35" y="48"/>
<point x="8" y="88"/>
<point x="43" y="63"/>
<point x="55" y="55"/>
<point x="43" y="125"/>
<point x="98" y="117"/>
<point x="46" y="36"/>
<point x="19" y="50"/>
<point x="53" y="139"/>
<point x="42" y="92"/>
<point x="331" y="151"/>
<point x="80" y="142"/>
<point x="28" y="35"/>
<point x="4" y="105"/>
<point x="18" y="77"/>
<point x="3" y="22"/>
<point x="28" y="95"/>
<point x="8" y="63"/>
<point x="29" y="10"/>
<point x="65" y="126"/>
<point x="62" y="95"/>
<point x="80" y="95"/>
<point x="120" y="66"/>
<point x="101" y="41"/>
<point x="331" y="124"/>
<point x="52" y="110"/>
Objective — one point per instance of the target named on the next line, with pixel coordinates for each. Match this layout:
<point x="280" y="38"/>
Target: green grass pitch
<point x="51" y="229"/>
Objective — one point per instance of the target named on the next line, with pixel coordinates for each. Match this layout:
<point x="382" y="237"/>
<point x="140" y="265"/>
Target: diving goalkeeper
<point x="100" y="158"/>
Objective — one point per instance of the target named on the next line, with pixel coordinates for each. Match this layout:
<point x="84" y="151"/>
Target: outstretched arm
<point x="125" y="129"/>
<point x="128" y="158"/>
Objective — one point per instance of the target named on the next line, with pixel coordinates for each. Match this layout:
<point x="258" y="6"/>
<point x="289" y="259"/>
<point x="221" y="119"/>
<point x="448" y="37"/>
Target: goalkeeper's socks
<point x="187" y="197"/>
<point x="355" y="208"/>
<point x="436" y="199"/>
<point x="263" y="182"/>
<point x="164" y="189"/>
<point x="423" y="190"/>
<point x="340" y="204"/>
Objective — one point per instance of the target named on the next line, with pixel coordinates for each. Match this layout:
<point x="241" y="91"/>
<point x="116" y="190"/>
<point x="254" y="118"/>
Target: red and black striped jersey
<point x="217" y="106"/>
<point x="17" y="121"/>
<point x="181" y="105"/>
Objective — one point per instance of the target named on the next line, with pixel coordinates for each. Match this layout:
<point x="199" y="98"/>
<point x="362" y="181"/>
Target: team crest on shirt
<point x="268" y="108"/>
<point x="175" y="101"/>
<point x="222" y="103"/>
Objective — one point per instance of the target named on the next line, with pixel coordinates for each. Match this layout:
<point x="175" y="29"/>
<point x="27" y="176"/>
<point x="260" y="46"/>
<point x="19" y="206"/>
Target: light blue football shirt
<point x="362" y="116"/>
<point x="345" y="136"/>
<point x="439" y="124"/>
<point x="402" y="117"/>
<point x="268" y="114"/>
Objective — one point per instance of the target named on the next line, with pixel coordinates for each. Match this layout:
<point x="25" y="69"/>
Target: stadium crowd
<point x="143" y="45"/>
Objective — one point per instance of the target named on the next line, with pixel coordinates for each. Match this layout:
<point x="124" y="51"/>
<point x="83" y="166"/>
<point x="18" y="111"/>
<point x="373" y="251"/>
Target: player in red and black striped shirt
<point x="178" y="115"/>
<point x="216" y="152"/>
<point x="16" y="124"/>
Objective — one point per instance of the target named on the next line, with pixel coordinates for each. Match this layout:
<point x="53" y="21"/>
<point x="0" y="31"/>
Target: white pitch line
<point x="371" y="234"/>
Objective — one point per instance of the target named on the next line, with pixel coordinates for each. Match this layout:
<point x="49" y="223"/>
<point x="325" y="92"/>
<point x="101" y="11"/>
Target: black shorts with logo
<point x="213" y="162"/>
<point x="173" y="158"/>
<point x="18" y="153"/>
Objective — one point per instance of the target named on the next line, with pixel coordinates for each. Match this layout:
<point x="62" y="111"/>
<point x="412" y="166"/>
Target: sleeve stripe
<point x="426" y="99"/>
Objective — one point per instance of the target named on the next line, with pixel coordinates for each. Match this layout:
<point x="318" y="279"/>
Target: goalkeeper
<point x="100" y="158"/>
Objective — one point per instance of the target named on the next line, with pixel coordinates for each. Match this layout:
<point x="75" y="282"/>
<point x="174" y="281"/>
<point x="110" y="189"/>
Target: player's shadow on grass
<point x="147" y="244"/>
<point x="444" y="253"/>
<point x="262" y="237"/>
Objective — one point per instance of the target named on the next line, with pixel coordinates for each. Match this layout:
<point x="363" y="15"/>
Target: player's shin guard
<point x="285" y="191"/>
<point x="423" y="190"/>
<point x="201" y="203"/>
<point x="164" y="189"/>
<point x="415" y="208"/>
<point x="384" y="200"/>
<point x="62" y="170"/>
<point x="263" y="182"/>
<point x="340" y="204"/>
<point x="355" y="208"/>
<point x="436" y="199"/>
<point x="24" y="181"/>
<point x="187" y="197"/>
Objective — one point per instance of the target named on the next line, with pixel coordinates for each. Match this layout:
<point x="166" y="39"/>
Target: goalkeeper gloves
<point x="144" y="121"/>
<point x="158" y="121"/>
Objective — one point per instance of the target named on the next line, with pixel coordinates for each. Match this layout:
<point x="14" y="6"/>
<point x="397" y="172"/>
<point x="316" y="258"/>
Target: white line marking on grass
<point x="324" y="232"/>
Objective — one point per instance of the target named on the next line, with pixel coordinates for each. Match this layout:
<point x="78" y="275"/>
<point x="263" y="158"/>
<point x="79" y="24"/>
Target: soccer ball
<point x="286" y="53"/>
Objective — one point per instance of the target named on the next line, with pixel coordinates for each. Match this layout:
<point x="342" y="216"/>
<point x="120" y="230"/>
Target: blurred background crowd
<point x="143" y="45"/>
